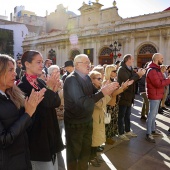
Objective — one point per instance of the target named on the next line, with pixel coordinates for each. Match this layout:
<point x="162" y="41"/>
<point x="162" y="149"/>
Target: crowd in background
<point x="75" y="98"/>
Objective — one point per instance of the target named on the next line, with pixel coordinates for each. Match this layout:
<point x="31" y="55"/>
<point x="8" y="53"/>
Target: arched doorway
<point x="73" y="53"/>
<point x="145" y="54"/>
<point x="104" y="57"/>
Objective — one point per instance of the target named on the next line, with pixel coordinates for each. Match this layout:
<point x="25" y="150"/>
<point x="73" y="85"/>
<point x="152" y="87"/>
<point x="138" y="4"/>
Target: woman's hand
<point x="127" y="83"/>
<point x="33" y="100"/>
<point x="53" y="81"/>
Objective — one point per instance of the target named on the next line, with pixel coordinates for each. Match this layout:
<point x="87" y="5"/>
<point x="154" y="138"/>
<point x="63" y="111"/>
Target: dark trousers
<point x="145" y="105"/>
<point x="124" y="119"/>
<point x="78" y="140"/>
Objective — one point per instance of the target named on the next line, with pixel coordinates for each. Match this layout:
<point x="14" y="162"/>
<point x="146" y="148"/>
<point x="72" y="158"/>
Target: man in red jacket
<point x="155" y="83"/>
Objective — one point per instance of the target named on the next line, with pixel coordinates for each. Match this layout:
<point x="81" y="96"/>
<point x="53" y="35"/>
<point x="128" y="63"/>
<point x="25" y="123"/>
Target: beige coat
<point x="98" y="136"/>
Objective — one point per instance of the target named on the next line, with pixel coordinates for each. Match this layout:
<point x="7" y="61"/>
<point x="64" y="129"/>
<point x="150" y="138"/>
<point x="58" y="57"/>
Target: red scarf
<point x="32" y="79"/>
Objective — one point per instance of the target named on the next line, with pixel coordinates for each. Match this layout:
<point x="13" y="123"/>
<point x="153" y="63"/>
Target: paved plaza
<point x="138" y="154"/>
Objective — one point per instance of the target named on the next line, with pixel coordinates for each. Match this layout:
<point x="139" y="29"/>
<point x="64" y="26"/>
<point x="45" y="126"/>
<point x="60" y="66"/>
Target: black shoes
<point x="143" y="118"/>
<point x="150" y="138"/>
<point x="100" y="149"/>
<point x="96" y="162"/>
<point x="164" y="108"/>
<point x="160" y="111"/>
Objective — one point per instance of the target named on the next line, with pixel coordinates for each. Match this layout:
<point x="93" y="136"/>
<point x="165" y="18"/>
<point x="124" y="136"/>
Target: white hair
<point x="52" y="67"/>
<point x="79" y="57"/>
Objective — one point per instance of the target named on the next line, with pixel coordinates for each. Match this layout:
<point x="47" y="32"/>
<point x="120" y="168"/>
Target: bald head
<point x="157" y="58"/>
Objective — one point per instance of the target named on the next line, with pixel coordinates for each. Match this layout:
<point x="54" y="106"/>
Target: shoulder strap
<point x="151" y="68"/>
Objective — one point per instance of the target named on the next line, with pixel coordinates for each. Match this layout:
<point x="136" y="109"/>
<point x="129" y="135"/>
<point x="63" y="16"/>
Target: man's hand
<point x="141" y="72"/>
<point x="109" y="88"/>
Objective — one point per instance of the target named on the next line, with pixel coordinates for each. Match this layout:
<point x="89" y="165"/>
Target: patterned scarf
<point x="32" y="79"/>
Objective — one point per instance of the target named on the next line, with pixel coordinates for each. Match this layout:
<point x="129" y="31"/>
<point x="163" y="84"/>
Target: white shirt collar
<point x="3" y="93"/>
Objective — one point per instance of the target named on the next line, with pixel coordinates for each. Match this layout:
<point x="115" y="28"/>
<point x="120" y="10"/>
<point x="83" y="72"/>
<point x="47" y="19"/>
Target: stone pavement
<point x="138" y="154"/>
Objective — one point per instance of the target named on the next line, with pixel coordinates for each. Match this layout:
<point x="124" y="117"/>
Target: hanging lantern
<point x="119" y="55"/>
<point x="111" y="55"/>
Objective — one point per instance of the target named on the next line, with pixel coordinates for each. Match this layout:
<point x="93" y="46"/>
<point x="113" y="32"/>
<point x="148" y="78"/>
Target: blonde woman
<point x="14" y="119"/>
<point x="98" y="136"/>
<point x="100" y="69"/>
<point x="112" y="106"/>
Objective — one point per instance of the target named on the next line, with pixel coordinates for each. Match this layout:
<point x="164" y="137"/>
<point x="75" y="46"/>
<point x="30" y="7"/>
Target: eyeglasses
<point x="99" y="79"/>
<point x="86" y="63"/>
<point x="114" y="71"/>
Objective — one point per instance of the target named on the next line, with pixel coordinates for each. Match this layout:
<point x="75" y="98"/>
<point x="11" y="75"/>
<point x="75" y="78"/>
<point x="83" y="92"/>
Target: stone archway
<point x="73" y="53"/>
<point x="104" y="56"/>
<point x="145" y="54"/>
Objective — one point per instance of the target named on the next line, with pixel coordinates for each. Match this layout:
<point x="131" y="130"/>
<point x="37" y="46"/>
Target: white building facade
<point x="19" y="33"/>
<point x="94" y="30"/>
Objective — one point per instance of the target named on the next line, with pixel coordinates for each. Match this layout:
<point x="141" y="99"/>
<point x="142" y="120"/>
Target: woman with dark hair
<point x="44" y="135"/>
<point x="14" y="119"/>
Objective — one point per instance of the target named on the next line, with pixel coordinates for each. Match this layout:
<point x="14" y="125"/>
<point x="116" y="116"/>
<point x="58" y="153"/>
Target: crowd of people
<point x="39" y="99"/>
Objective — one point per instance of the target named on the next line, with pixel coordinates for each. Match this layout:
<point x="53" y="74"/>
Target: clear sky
<point x="127" y="8"/>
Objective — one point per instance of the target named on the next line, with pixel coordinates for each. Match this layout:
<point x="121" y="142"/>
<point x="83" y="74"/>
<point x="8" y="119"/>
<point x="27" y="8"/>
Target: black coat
<point x="65" y="76"/>
<point x="44" y="134"/>
<point x="14" y="152"/>
<point x="141" y="84"/>
<point x="124" y="73"/>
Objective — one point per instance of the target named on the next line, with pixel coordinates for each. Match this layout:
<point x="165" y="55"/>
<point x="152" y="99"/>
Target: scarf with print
<point x="32" y="79"/>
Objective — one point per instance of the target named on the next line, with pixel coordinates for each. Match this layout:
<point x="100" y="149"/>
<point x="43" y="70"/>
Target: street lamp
<point x="117" y="47"/>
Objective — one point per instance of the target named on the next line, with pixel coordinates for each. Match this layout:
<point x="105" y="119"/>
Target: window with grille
<point x="105" y="51"/>
<point x="148" y="49"/>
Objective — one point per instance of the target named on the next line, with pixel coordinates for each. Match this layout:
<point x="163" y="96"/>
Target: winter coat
<point x="128" y="95"/>
<point x="14" y="150"/>
<point x="98" y="136"/>
<point x="155" y="82"/>
<point x="44" y="134"/>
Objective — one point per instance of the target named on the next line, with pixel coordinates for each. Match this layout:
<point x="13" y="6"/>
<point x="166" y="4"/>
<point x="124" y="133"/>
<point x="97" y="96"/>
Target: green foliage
<point x="6" y="42"/>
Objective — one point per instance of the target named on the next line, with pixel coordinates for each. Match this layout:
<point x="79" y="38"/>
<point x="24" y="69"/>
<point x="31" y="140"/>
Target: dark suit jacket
<point x="79" y="99"/>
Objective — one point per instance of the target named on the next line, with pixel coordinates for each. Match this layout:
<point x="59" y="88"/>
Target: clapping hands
<point x="53" y="81"/>
<point x="141" y="72"/>
<point x="127" y="83"/>
<point x="33" y="100"/>
<point x="108" y="88"/>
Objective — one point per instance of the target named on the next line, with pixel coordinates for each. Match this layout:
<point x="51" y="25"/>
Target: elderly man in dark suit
<point x="79" y="99"/>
